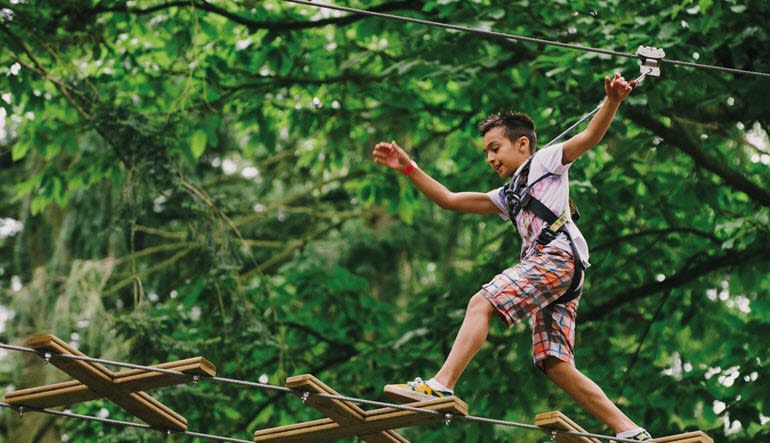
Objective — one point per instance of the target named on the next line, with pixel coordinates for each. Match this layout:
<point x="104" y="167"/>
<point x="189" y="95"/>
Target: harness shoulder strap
<point x="541" y="210"/>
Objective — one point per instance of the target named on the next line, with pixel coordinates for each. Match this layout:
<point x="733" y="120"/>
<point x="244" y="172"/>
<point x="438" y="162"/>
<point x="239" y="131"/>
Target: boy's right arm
<point x="394" y="157"/>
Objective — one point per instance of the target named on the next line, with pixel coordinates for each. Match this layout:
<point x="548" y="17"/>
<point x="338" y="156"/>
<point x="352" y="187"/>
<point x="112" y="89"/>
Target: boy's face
<point x="503" y="155"/>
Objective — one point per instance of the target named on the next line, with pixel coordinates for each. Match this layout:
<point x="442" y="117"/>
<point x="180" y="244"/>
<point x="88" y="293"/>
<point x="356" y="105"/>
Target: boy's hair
<point x="516" y="124"/>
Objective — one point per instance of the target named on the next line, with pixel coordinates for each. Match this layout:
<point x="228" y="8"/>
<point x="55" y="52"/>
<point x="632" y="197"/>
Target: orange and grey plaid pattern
<point x="529" y="290"/>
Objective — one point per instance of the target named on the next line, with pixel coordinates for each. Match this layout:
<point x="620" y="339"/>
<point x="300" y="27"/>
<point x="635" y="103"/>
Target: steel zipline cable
<point x="522" y="38"/>
<point x="265" y="387"/>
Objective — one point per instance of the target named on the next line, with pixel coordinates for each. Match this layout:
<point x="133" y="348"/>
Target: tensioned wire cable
<point x="503" y="35"/>
<point x="109" y="421"/>
<point x="304" y="395"/>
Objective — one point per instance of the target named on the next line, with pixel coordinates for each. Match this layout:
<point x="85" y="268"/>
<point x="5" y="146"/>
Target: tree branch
<point x="63" y="88"/>
<point x="257" y="24"/>
<point x="285" y="255"/>
<point x="679" y="139"/>
<point x="291" y="81"/>
<point x="162" y="265"/>
<point x="609" y="244"/>
<point x="320" y="336"/>
<point x="730" y="259"/>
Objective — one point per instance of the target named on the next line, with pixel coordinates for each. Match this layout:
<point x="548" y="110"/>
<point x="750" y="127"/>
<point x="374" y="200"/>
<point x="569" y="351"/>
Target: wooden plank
<point x="140" y="404"/>
<point x="55" y="345"/>
<point x="48" y="396"/>
<point x="557" y="420"/>
<point x="689" y="437"/>
<point x="144" y="380"/>
<point x="144" y="407"/>
<point x="342" y="412"/>
<point x="376" y="420"/>
<point x="74" y="391"/>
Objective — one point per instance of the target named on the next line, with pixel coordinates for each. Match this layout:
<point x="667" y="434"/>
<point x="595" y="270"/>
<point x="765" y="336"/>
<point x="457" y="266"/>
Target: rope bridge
<point x="345" y="418"/>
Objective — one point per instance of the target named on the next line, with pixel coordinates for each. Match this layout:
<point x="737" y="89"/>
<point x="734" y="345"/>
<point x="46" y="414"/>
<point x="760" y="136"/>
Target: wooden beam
<point x="74" y="391"/>
<point x="48" y="396"/>
<point x="558" y="421"/>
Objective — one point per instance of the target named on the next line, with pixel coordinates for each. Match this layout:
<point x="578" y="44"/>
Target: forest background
<point x="194" y="177"/>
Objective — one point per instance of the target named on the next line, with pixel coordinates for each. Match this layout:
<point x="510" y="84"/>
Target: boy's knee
<point x="555" y="368"/>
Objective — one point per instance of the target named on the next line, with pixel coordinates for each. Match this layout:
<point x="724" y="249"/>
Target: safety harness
<point x="519" y="197"/>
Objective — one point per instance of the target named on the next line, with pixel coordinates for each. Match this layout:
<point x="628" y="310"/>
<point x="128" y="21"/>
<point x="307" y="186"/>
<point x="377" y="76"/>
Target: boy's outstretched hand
<point x="390" y="155"/>
<point x="617" y="88"/>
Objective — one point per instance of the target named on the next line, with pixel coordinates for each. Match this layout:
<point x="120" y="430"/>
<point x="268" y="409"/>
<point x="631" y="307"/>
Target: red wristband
<point x="409" y="168"/>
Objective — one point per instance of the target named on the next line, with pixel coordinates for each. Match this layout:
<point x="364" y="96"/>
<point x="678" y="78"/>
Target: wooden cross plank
<point x="342" y="412"/>
<point x="353" y="420"/>
<point x="559" y="421"/>
<point x="125" y="389"/>
<point x="376" y="421"/>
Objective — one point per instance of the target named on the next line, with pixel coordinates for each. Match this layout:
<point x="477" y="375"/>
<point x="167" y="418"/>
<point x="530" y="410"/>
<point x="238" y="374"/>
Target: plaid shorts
<point x="529" y="290"/>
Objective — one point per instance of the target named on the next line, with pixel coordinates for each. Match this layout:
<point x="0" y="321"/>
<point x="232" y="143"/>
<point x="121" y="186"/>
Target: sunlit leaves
<point x="198" y="143"/>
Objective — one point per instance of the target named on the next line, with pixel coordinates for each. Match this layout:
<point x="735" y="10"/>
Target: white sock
<point x="630" y="433"/>
<point x="436" y="386"/>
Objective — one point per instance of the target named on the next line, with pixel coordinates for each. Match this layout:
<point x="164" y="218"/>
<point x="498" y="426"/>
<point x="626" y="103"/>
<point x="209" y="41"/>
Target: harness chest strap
<point x="559" y="222"/>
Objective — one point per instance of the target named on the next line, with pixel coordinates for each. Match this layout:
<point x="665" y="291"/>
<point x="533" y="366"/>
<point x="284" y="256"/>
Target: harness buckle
<point x="546" y="236"/>
<point x="516" y="200"/>
<point x="525" y="199"/>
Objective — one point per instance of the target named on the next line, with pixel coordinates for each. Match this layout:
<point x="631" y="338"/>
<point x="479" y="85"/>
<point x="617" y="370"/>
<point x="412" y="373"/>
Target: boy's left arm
<point x="617" y="89"/>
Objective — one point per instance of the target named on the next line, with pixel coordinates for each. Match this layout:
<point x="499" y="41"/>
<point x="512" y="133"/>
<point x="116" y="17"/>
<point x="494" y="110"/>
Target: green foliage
<point x="194" y="178"/>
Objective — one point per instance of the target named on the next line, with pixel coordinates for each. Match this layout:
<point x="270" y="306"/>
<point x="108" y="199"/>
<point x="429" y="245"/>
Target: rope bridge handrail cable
<point x="269" y="387"/>
<point x="507" y="36"/>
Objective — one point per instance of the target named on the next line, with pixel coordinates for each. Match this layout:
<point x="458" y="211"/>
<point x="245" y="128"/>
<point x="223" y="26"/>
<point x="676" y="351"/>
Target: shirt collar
<point x="521" y="166"/>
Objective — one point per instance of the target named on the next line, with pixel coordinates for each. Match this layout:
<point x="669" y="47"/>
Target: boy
<point x="549" y="268"/>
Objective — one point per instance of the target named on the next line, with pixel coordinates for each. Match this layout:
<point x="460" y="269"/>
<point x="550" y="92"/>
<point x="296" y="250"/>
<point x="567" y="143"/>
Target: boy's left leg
<point x="471" y="336"/>
<point x="587" y="394"/>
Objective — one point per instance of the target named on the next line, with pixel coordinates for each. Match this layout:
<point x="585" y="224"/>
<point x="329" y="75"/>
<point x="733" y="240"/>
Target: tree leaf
<point x="198" y="143"/>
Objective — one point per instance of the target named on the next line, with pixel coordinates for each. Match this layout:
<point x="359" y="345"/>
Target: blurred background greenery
<point x="193" y="177"/>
